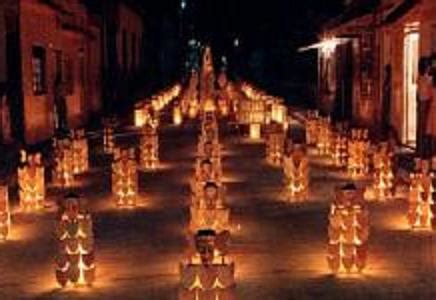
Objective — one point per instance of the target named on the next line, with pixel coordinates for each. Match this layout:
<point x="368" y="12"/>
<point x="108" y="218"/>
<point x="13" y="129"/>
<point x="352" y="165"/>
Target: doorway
<point x="411" y="58"/>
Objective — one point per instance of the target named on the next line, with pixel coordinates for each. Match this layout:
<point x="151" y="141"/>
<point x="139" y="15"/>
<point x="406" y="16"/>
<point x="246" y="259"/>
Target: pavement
<point x="279" y="248"/>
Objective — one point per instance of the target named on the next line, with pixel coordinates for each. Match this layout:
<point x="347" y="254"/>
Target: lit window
<point x="38" y="70"/>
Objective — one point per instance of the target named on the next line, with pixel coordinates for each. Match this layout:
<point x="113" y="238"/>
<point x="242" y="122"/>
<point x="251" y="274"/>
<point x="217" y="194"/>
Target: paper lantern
<point x="324" y="138"/>
<point x="80" y="152"/>
<point x="5" y="216"/>
<point x="383" y="183"/>
<point x="177" y="115"/>
<point x="75" y="259"/>
<point x="31" y="181"/>
<point x="279" y="112"/>
<point x="348" y="231"/>
<point x="422" y="199"/>
<point x="208" y="210"/>
<point x="311" y="125"/>
<point x="149" y="148"/>
<point x="63" y="170"/>
<point x="296" y="171"/>
<point x="208" y="273"/>
<point x="339" y="149"/>
<point x="275" y="145"/>
<point x="140" y="116"/>
<point x="125" y="178"/>
<point x="358" y="154"/>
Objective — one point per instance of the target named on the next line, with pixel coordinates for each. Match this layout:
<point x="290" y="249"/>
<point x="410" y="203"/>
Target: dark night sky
<point x="270" y="32"/>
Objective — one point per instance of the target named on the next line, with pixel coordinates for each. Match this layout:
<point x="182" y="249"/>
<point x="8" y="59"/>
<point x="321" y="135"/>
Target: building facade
<point x="123" y="49"/>
<point x="53" y="66"/>
<point x="368" y="64"/>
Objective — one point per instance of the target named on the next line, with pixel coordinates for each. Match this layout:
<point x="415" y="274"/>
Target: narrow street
<point x="278" y="248"/>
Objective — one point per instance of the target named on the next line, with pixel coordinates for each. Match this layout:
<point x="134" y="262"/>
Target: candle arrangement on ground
<point x="207" y="83"/>
<point x="422" y="198"/>
<point x="383" y="185"/>
<point x="31" y="181"/>
<point x="75" y="258"/>
<point x="205" y="171"/>
<point x="125" y="178"/>
<point x="80" y="152"/>
<point x="63" y="170"/>
<point x="5" y="215"/>
<point x="348" y="231"/>
<point x="189" y="102"/>
<point x="358" y="154"/>
<point x="275" y="144"/>
<point x="208" y="273"/>
<point x="149" y="148"/>
<point x="296" y="171"/>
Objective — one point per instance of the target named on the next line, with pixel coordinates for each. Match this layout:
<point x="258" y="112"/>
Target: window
<point x="133" y="51"/>
<point x="38" y="70"/>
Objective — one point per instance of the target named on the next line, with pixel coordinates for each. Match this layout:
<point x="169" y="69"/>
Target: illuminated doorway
<point x="411" y="57"/>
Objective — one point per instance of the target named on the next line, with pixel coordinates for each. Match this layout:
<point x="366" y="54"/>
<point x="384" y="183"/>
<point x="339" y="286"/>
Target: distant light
<point x="192" y="42"/>
<point x="183" y="4"/>
<point x="236" y="42"/>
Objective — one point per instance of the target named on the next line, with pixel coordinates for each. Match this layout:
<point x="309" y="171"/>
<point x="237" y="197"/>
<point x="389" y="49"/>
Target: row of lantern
<point x="257" y="108"/>
<point x="145" y="110"/>
<point x="208" y="273"/>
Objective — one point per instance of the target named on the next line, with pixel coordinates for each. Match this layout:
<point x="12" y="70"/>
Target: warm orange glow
<point x="75" y="260"/>
<point x="358" y="154"/>
<point x="422" y="202"/>
<point x="149" y="148"/>
<point x="31" y="181"/>
<point x="64" y="164"/>
<point x="177" y="115"/>
<point x="108" y="140"/>
<point x="339" y="149"/>
<point x="80" y="152"/>
<point x="312" y="128"/>
<point x="5" y="216"/>
<point x="296" y="171"/>
<point x="125" y="178"/>
<point x="255" y="131"/>
<point x="275" y="145"/>
<point x="324" y="138"/>
<point x="348" y="232"/>
<point x="383" y="174"/>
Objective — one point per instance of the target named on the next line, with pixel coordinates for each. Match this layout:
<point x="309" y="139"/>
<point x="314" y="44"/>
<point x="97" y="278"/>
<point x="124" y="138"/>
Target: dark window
<point x="124" y="44"/>
<point x="134" y="51"/>
<point x="38" y="70"/>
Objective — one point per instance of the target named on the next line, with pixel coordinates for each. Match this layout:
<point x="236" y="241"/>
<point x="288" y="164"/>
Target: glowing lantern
<point x="279" y="112"/>
<point x="296" y="171"/>
<point x="208" y="210"/>
<point x="348" y="231"/>
<point x="207" y="273"/>
<point x="31" y="182"/>
<point x="177" y="115"/>
<point x="205" y="171"/>
<point x="75" y="259"/>
<point x="275" y="144"/>
<point x="422" y="199"/>
<point x="108" y="140"/>
<point x="140" y="115"/>
<point x="255" y="131"/>
<point x="125" y="177"/>
<point x="149" y="148"/>
<point x="339" y="149"/>
<point x="383" y="173"/>
<point x="358" y="153"/>
<point x="312" y="132"/>
<point x="324" y="140"/>
<point x="64" y="165"/>
<point x="80" y="152"/>
<point x="5" y="216"/>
